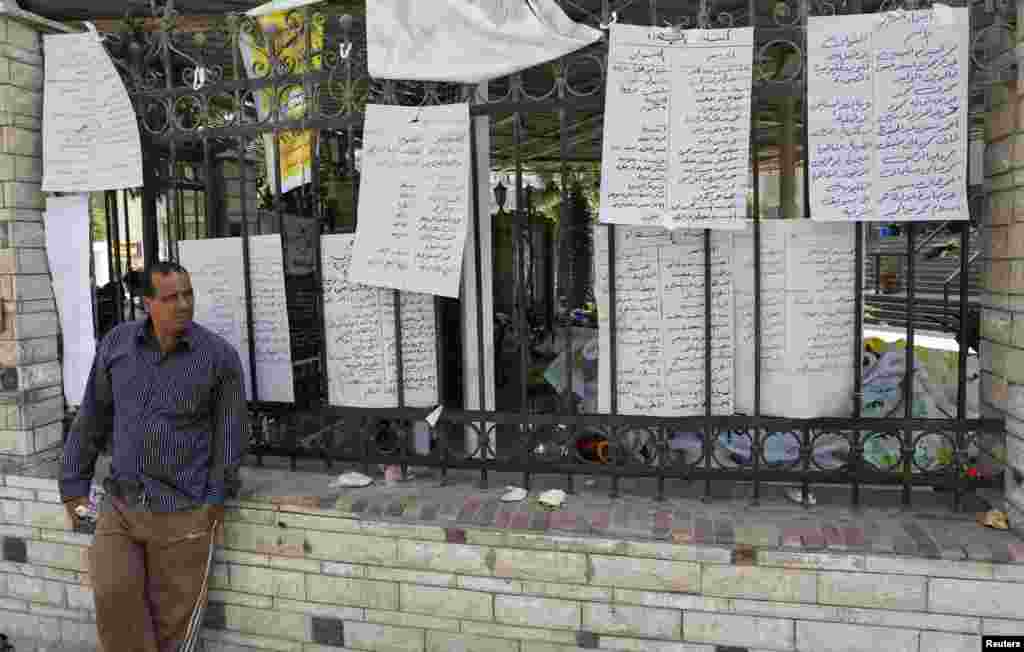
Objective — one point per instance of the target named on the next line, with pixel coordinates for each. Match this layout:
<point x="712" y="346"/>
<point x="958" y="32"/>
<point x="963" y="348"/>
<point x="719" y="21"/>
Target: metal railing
<point x="560" y="442"/>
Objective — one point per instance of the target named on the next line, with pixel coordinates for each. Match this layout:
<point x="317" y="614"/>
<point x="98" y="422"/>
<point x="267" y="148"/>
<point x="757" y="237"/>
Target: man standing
<point x="166" y="395"/>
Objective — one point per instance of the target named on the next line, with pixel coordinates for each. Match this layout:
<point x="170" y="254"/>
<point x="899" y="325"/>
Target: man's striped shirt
<point x="178" y="421"/>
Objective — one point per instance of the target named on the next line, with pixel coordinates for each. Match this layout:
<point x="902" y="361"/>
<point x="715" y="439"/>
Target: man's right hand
<point x="70" y="505"/>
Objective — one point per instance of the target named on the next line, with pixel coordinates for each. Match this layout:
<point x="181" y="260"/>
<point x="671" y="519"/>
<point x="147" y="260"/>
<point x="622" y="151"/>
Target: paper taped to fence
<point x="677" y="127"/>
<point x="467" y="41"/>
<point x="90" y="133"/>
<point x="887" y="115"/>
<point x="359" y="331"/>
<point x="216" y="268"/>
<point x="413" y="199"/>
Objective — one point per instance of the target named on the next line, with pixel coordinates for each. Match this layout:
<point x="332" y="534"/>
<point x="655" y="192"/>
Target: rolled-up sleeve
<point x="90" y="432"/>
<point x="230" y="432"/>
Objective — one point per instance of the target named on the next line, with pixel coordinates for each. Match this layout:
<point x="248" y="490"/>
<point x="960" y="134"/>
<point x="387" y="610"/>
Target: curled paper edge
<point x="434" y="416"/>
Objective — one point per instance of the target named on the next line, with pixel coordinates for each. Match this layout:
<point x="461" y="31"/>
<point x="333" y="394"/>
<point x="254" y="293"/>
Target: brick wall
<point x="31" y="395"/>
<point x="318" y="580"/>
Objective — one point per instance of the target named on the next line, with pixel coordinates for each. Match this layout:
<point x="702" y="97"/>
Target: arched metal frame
<point x="180" y="117"/>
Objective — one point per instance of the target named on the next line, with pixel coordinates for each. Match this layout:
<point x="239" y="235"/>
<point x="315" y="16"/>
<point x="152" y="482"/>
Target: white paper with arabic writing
<point x="413" y="199"/>
<point x="359" y="330"/>
<point x="677" y="127"/>
<point x="887" y="111"/>
<point x="90" y="133"/>
<point x="808" y="340"/>
<point x="216" y="269"/>
<point x="467" y="41"/>
<point x="660" y="322"/>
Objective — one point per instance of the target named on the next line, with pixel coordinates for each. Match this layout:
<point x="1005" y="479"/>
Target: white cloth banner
<point x="467" y="41"/>
<point x="90" y="134"/>
<point x="67" y="248"/>
<point x="887" y="115"/>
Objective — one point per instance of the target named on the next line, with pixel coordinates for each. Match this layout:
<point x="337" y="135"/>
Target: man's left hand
<point x="215" y="514"/>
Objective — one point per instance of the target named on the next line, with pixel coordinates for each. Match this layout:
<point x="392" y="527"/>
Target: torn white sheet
<point x="467" y="41"/>
<point x="67" y="248"/>
<point x="90" y="133"/>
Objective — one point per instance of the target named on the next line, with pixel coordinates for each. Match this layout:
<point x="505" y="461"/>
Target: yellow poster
<point x="284" y="41"/>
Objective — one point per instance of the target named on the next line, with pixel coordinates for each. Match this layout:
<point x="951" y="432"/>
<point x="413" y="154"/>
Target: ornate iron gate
<point x="197" y="108"/>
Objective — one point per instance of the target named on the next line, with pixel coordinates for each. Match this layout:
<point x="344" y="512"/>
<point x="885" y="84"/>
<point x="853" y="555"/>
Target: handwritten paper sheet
<point x="216" y="268"/>
<point x="660" y="328"/>
<point x="359" y="325"/>
<point x="414" y="199"/>
<point x="807" y="319"/>
<point x="677" y="127"/>
<point x="67" y="248"/>
<point x="90" y="134"/>
<point x="467" y="41"/>
<point x="887" y="113"/>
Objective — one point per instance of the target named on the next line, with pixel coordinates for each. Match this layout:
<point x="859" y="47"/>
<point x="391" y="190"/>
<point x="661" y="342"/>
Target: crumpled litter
<point x="513" y="494"/>
<point x="351" y="479"/>
<point x="994" y="519"/>
<point x="797" y="496"/>
<point x="552" y="498"/>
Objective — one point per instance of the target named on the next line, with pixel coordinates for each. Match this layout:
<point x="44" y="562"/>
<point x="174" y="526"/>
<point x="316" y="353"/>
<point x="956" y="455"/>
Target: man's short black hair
<point x="160" y="267"/>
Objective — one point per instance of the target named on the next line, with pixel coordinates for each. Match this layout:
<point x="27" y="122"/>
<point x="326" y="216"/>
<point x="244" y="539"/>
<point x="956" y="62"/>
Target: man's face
<point x="173" y="306"/>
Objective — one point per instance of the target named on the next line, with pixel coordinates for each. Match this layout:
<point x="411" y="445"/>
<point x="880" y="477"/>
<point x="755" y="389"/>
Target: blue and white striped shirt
<point x="179" y="421"/>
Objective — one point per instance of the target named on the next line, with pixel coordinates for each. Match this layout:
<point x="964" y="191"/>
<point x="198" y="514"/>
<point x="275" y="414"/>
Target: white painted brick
<point x="453" y="603"/>
<point x="320" y="610"/>
<point x="490" y="584"/>
<point x="402" y="619"/>
<point x="811" y="560"/>
<point x="10" y="604"/>
<point x="999" y="599"/>
<point x="872" y="590"/>
<point x="31" y="627"/>
<point x="28" y="482"/>
<point x="352" y="592"/>
<point x="528" y="611"/>
<point x="945" y="642"/>
<point x="383" y="638"/>
<point x="332" y="546"/>
<point x="444" y="557"/>
<point x="266" y="581"/>
<point x="21" y="531"/>
<point x="56" y="555"/>
<point x="222" y="637"/>
<point x="242" y="599"/>
<point x="410" y="576"/>
<point x="852" y="616"/>
<point x="63" y="614"/>
<point x="48" y="497"/>
<point x="44" y="515"/>
<point x="17" y="494"/>
<point x="519" y="633"/>
<point x="654" y="574"/>
<point x="619" y="620"/>
<point x="1000" y="627"/>
<point x="836" y="637"/>
<point x="446" y="642"/>
<point x="680" y="601"/>
<point x="568" y="591"/>
<point x="541" y="566"/>
<point x="781" y="584"/>
<point x="343" y="570"/>
<point x="930" y="567"/>
<point x="745" y="631"/>
<point x="34" y="589"/>
<point x="262" y="622"/>
<point x="647" y="645"/>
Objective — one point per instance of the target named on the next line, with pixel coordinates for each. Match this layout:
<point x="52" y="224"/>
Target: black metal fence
<point x="546" y="123"/>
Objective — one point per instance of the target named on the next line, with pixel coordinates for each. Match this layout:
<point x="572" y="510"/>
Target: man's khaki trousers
<point x="147" y="570"/>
